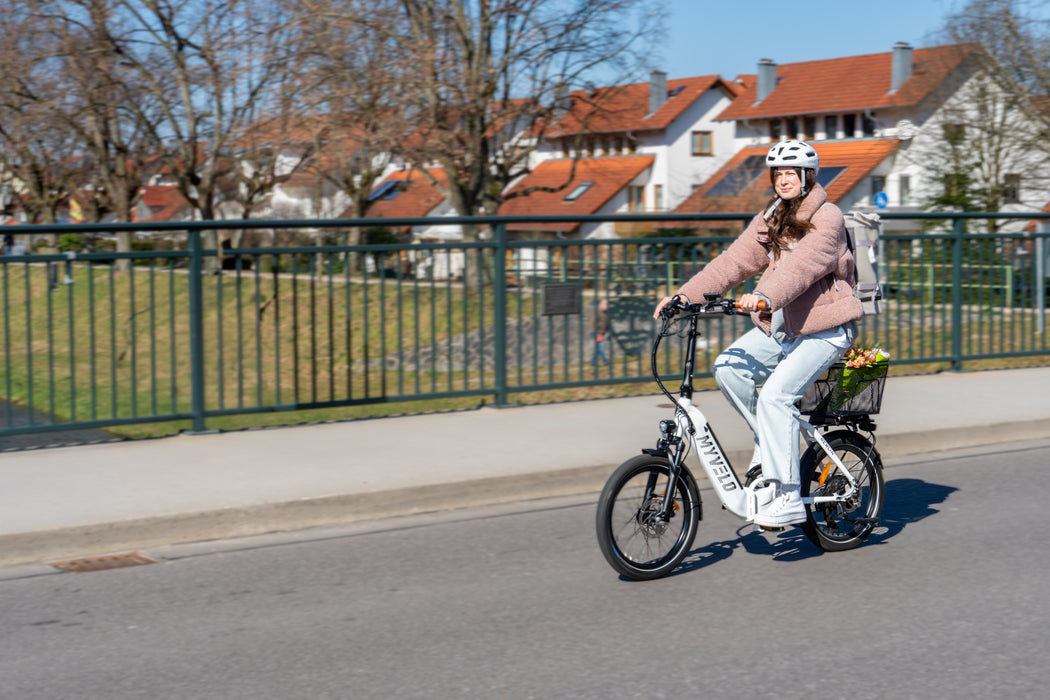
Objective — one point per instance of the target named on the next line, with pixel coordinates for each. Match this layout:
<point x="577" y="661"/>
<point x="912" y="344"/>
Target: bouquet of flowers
<point x="863" y="366"/>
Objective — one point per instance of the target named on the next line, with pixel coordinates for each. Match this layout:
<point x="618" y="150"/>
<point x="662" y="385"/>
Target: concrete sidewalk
<point x="68" y="502"/>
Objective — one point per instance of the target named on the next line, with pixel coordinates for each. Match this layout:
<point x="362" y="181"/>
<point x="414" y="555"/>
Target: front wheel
<point x="639" y="537"/>
<point x="844" y="524"/>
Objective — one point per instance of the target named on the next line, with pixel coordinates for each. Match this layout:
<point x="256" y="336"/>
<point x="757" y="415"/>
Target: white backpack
<point x="863" y="230"/>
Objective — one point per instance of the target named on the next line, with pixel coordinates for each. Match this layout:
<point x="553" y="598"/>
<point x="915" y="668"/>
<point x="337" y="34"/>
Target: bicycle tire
<point x="635" y="540"/>
<point x="837" y="527"/>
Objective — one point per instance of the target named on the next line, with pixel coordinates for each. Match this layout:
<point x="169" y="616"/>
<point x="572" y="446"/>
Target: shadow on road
<point x="906" y="501"/>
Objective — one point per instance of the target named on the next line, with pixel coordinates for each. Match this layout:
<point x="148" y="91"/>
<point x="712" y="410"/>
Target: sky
<point x="729" y="37"/>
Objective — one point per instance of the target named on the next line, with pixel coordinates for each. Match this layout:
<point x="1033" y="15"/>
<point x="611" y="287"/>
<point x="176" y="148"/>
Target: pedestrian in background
<point x="601" y="331"/>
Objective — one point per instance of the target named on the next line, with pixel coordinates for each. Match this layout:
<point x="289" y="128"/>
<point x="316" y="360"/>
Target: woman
<point x="799" y="240"/>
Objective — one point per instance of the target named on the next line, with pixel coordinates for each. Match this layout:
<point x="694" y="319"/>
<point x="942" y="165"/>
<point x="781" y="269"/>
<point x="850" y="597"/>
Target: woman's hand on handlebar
<point x="660" y="306"/>
<point x="751" y="302"/>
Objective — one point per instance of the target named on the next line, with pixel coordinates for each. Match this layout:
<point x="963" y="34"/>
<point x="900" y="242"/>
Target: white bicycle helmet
<point x="793" y="154"/>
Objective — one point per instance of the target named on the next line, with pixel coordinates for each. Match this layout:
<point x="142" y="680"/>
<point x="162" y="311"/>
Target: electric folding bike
<point x="650" y="508"/>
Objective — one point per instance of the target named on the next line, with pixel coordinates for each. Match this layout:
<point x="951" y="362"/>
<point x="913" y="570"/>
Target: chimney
<point x="562" y="100"/>
<point x="767" y="78"/>
<point x="902" y="61"/>
<point x="657" y="90"/>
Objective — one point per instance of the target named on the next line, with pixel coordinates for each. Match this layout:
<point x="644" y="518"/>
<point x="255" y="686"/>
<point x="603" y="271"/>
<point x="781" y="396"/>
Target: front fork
<point x="671" y="445"/>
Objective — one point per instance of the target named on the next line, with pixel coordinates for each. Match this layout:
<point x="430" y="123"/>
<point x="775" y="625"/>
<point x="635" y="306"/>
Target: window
<point x="878" y="184"/>
<point x="954" y="134"/>
<point x="792" y="130"/>
<point x="776" y="130"/>
<point x="849" y="125"/>
<point x="809" y="124"/>
<point x="1011" y="188"/>
<point x="658" y="197"/>
<point x="701" y="143"/>
<point x="635" y="198"/>
<point x="904" y="189"/>
<point x="578" y="191"/>
<point x="867" y="124"/>
<point x="831" y="126"/>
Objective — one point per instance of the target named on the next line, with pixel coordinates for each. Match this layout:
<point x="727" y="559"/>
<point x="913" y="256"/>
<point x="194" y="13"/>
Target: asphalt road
<point x="948" y="599"/>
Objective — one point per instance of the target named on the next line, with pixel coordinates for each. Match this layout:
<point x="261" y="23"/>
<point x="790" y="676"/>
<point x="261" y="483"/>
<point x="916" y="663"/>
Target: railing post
<point x="1043" y="227"/>
<point x="499" y="293"/>
<point x="500" y="315"/>
<point x="196" y="330"/>
<point x="958" y="230"/>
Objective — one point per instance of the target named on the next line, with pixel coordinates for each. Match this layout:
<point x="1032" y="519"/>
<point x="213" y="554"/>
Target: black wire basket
<point x="846" y="392"/>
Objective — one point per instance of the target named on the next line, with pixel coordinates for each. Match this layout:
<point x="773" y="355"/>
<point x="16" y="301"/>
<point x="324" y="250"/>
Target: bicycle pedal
<point x="770" y="529"/>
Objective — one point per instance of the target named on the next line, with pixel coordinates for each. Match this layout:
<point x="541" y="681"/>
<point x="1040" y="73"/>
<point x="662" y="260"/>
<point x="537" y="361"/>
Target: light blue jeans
<point x="784" y="371"/>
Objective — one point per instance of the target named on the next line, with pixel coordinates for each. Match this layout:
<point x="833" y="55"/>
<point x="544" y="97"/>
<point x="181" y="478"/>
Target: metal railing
<point x="103" y="339"/>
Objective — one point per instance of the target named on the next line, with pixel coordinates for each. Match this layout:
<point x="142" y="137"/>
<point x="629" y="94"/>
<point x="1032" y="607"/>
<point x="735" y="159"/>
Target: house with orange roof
<point x="874" y="119"/>
<point x="640" y="147"/>
<point x="411" y="193"/>
<point x="161" y="202"/>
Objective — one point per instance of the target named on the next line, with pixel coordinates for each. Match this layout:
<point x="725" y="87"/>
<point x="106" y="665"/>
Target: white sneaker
<point x="786" y="509"/>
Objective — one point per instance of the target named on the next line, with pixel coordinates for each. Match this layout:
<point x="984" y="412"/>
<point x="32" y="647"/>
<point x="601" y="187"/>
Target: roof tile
<point x="626" y="107"/>
<point x="609" y="175"/>
<point x="848" y="84"/>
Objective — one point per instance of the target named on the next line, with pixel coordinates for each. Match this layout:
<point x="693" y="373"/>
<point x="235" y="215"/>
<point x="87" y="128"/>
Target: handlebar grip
<point x="761" y="304"/>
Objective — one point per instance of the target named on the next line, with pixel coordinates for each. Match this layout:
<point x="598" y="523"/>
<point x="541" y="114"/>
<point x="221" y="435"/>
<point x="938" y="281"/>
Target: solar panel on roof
<point x="735" y="182"/>
<point x="828" y="175"/>
<point x="387" y="190"/>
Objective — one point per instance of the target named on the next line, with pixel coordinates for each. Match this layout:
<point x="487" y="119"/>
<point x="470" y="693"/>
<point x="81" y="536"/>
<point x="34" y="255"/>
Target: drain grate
<point x="108" y="561"/>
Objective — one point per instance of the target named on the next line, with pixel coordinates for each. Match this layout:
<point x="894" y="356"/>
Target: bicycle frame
<point x="716" y="465"/>
<point x="691" y="429"/>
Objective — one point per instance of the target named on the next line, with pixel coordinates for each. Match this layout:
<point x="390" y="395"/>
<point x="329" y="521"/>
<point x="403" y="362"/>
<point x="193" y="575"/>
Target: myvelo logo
<point x="715" y="460"/>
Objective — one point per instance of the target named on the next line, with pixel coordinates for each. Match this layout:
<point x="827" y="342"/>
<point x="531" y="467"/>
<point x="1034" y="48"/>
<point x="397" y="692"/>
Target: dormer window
<point x="578" y="191"/>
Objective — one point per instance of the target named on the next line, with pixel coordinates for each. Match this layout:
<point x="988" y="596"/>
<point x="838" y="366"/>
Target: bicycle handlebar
<point x="712" y="304"/>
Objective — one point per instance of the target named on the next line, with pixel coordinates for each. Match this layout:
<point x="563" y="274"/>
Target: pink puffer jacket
<point x="810" y="281"/>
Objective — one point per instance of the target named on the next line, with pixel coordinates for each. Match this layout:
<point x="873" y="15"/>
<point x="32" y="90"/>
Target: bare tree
<point x="1015" y="33"/>
<point x="98" y="92"/>
<point x="207" y="64"/>
<point x="482" y="78"/>
<point x="353" y="80"/>
<point x="991" y="152"/>
<point x="38" y="152"/>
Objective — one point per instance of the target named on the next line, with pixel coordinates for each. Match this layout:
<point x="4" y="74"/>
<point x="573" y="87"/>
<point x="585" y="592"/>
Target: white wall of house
<point x="1014" y="153"/>
<point x="438" y="233"/>
<point x="676" y="170"/>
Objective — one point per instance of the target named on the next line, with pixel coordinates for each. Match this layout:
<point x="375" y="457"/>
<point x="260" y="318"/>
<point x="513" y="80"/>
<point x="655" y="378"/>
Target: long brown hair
<point x="784" y="224"/>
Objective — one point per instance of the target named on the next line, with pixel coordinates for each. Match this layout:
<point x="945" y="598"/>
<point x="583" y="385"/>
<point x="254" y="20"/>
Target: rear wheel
<point x="637" y="538"/>
<point x="841" y="525"/>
